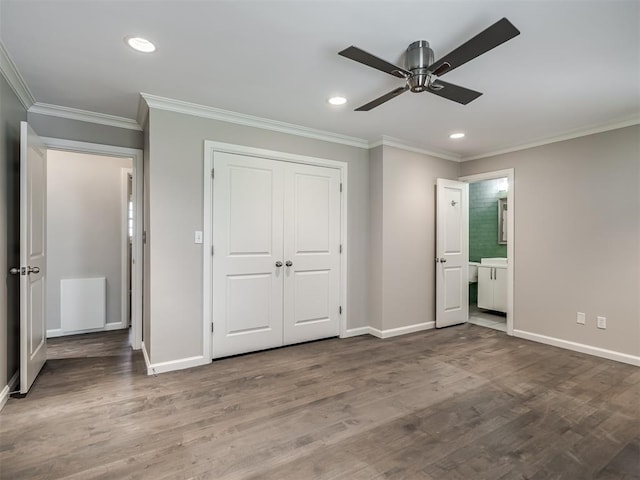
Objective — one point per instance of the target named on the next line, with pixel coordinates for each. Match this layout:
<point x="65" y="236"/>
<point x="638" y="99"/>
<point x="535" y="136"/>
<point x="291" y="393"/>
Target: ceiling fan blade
<point x="495" y="35"/>
<point x="354" y="53"/>
<point x="380" y="100"/>
<point x="453" y="92"/>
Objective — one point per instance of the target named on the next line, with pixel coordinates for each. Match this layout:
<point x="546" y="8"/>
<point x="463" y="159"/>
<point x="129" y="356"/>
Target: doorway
<point x="491" y="249"/>
<point x="94" y="239"/>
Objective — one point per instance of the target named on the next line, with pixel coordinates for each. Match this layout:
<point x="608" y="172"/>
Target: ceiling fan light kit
<point x="422" y="73"/>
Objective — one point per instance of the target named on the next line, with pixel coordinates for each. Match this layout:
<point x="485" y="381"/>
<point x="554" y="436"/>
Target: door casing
<point x="210" y="147"/>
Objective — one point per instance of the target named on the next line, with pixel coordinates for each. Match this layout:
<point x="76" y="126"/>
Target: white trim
<point x="401" y="144"/>
<point x="147" y="362"/>
<point x="558" y="138"/>
<point x="125" y="266"/>
<point x="207" y="260"/>
<point x="354" y="332"/>
<point x="187" y="108"/>
<point x="136" y="155"/>
<point x="579" y="347"/>
<point x="394" y="332"/>
<point x="511" y="237"/>
<point x="14" y="79"/>
<point x="10" y="386"/>
<point x="181" y="364"/>
<point x="58" y="332"/>
<point x="84" y="116"/>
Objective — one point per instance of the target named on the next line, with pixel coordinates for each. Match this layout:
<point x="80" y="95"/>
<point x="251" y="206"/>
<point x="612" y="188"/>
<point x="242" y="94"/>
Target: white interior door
<point x="311" y="253"/>
<point x="452" y="252"/>
<point x="33" y="195"/>
<point x="247" y="236"/>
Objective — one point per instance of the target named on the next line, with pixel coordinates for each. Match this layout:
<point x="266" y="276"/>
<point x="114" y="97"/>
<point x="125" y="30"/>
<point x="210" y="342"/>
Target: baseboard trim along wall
<point x="163" y="367"/>
<point x="58" y="332"/>
<point x="579" y="347"/>
<point x="4" y="394"/>
<point x="391" y="332"/>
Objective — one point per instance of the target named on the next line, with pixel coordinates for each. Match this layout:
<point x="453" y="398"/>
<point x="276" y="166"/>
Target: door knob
<point x="278" y="264"/>
<point x="289" y="263"/>
<point x="33" y="270"/>
<point x="443" y="260"/>
<point x="15" y="271"/>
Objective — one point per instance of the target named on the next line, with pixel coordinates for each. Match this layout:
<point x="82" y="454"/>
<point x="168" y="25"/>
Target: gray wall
<point x="577" y="237"/>
<point x="84" y="226"/>
<point x="408" y="235"/>
<point x="175" y="175"/>
<point x="57" y="127"/>
<point x="11" y="113"/>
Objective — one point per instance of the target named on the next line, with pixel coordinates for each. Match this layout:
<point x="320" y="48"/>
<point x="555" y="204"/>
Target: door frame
<point x="136" y="156"/>
<point x="509" y="173"/>
<point x="210" y="147"/>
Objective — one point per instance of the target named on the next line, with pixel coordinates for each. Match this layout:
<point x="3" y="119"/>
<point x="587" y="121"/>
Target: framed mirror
<point x="502" y="221"/>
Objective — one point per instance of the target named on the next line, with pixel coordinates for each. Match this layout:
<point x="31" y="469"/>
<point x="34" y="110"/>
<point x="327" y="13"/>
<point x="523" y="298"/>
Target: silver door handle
<point x="15" y="271"/>
<point x="278" y="264"/>
<point x="443" y="260"/>
<point x="33" y="270"/>
<point x="289" y="263"/>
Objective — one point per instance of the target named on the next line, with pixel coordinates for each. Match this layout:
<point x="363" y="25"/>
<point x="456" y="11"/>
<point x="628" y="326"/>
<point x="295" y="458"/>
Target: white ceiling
<point x="575" y="66"/>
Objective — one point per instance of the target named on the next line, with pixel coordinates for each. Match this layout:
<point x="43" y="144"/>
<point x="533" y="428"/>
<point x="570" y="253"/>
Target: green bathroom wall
<point x="483" y="221"/>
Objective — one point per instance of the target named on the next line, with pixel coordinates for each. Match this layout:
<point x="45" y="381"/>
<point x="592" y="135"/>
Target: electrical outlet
<point x="602" y="322"/>
<point x="580" y="318"/>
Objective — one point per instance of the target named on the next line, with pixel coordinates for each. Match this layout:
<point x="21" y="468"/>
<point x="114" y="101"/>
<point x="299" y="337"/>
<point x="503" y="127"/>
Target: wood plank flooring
<point x="464" y="402"/>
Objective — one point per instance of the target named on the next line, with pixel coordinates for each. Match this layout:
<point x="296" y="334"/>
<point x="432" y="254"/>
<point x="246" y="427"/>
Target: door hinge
<point x="212" y="173"/>
<point x="144" y="237"/>
<point x="340" y="187"/>
<point x="211" y="327"/>
<point x="340" y="309"/>
<point x="212" y="250"/>
<point x="340" y="248"/>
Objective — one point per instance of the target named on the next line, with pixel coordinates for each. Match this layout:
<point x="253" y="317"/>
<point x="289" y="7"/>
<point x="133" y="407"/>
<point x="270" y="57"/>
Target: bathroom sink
<point x="493" y="261"/>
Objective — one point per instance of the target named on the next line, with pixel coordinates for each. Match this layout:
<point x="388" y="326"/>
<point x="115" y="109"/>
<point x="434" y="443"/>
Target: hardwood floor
<point x="464" y="402"/>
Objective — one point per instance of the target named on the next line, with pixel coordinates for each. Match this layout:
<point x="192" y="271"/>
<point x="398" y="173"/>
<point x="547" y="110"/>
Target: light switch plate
<point x="602" y="322"/>
<point x="198" y="236"/>
<point x="580" y="318"/>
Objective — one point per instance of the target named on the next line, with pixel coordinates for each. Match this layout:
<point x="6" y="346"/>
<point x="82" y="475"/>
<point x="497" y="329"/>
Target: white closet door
<point x="248" y="227"/>
<point x="312" y="247"/>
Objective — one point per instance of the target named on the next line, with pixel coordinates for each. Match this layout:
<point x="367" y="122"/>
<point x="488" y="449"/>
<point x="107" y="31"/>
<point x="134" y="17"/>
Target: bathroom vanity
<point x="492" y="284"/>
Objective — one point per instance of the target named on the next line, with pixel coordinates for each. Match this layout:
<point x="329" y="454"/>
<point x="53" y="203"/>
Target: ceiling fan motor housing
<point x="417" y="58"/>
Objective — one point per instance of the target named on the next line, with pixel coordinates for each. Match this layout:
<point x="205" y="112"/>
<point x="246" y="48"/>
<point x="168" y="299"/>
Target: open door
<point x="452" y="252"/>
<point x="33" y="197"/>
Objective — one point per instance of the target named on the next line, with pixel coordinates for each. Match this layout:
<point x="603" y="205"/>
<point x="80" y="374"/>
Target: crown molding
<point x="143" y="112"/>
<point x="187" y="108"/>
<point x="84" y="116"/>
<point x="14" y="79"/>
<point x="402" y="145"/>
<point x="635" y="120"/>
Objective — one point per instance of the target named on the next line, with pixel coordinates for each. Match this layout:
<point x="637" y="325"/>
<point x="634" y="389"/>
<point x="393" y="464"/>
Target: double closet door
<point x="276" y="265"/>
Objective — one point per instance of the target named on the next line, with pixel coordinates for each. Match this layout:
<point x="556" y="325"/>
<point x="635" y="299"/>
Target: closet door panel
<point x="248" y="227"/>
<point x="312" y="247"/>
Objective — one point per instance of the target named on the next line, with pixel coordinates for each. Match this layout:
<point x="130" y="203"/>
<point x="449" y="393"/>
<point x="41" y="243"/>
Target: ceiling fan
<point x="421" y="69"/>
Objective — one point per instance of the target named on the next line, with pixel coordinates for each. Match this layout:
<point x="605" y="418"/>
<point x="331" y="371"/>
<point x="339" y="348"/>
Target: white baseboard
<point x="163" y="367"/>
<point x="579" y="347"/>
<point x="354" y="332"/>
<point x="9" y="387"/>
<point x="147" y="362"/>
<point x="394" y="332"/>
<point x="58" y="332"/>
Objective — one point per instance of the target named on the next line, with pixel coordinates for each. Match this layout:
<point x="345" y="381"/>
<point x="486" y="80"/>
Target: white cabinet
<point x="492" y="288"/>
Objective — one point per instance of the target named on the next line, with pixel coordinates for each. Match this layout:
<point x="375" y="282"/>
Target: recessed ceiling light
<point x="456" y="135"/>
<point x="140" y="44"/>
<point x="337" y="100"/>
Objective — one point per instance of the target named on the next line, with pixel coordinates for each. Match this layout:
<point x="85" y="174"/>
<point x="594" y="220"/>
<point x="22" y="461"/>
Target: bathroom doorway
<point x="491" y="241"/>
